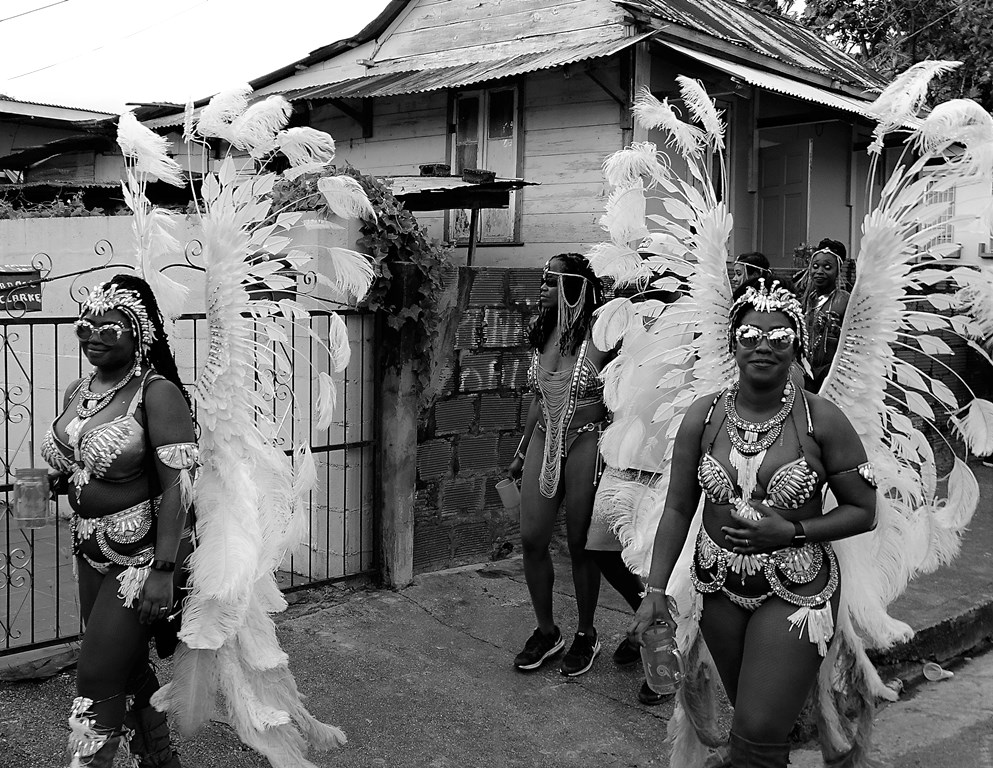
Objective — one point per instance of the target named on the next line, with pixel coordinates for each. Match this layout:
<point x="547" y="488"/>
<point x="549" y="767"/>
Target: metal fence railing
<point x="39" y="357"/>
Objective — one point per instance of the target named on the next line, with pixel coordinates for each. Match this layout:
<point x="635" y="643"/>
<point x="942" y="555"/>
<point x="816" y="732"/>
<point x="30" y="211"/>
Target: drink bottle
<point x="660" y="656"/>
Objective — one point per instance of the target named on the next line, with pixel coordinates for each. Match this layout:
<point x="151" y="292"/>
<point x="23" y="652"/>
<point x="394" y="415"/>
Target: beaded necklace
<point x="91" y="402"/>
<point x="748" y="450"/>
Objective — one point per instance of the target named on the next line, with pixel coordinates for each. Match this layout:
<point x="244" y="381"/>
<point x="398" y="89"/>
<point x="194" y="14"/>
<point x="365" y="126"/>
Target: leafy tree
<point x="890" y="35"/>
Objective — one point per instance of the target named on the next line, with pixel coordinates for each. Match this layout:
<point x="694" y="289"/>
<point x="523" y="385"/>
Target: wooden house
<point x="541" y="90"/>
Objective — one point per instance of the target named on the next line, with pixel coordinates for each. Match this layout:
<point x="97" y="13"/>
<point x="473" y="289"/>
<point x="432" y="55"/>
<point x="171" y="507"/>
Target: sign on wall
<point x="20" y="288"/>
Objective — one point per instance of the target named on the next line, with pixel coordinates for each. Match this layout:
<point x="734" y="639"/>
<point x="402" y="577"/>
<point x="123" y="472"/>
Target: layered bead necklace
<point x="748" y="450"/>
<point x="91" y="402"/>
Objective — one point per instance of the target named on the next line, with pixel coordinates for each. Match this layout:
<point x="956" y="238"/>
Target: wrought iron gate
<point x="39" y="357"/>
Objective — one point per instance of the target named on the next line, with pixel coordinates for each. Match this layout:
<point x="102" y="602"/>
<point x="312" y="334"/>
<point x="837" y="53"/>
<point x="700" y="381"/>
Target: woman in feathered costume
<point x="124" y="448"/>
<point x="248" y="494"/>
<point x="761" y="521"/>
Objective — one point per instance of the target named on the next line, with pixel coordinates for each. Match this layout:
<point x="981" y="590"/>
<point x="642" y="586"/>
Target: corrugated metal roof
<point x="423" y="80"/>
<point x="773" y="82"/>
<point x="764" y="33"/>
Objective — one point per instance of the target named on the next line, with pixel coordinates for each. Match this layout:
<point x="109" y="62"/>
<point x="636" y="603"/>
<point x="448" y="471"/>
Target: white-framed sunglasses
<point x="779" y="339"/>
<point x="108" y="333"/>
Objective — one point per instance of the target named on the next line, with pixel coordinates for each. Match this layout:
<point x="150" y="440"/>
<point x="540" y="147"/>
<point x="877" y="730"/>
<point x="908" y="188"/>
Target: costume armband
<point x="179" y="455"/>
<point x="186" y="458"/>
<point x="865" y="470"/>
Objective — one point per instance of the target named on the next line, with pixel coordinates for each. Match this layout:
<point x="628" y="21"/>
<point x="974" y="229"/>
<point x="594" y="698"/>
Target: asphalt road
<point x="945" y="724"/>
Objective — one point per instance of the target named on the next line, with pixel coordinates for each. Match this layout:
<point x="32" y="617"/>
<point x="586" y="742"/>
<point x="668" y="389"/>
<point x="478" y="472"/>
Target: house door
<point x="784" y="191"/>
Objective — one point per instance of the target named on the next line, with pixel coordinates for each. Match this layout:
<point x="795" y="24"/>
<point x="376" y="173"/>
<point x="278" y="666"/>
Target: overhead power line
<point x="33" y="10"/>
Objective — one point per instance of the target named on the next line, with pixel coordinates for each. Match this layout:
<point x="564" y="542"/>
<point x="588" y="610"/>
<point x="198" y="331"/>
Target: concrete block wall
<point x="468" y="437"/>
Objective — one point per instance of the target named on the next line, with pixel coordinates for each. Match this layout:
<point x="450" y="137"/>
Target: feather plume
<point x="702" y="109"/>
<point x="964" y="122"/>
<point x="255" y="129"/>
<point x="352" y="272"/>
<point x="338" y="343"/>
<point x="147" y="151"/>
<point x="626" y="167"/>
<point x="652" y="113"/>
<point x="612" y="321"/>
<point x="974" y="422"/>
<point x="326" y="399"/>
<point x="901" y="101"/>
<point x="346" y="197"/>
<point x="217" y="118"/>
<point x="624" y="218"/>
<point x="619" y="262"/>
<point x="305" y="168"/>
<point x="189" y="115"/>
<point x="305" y="145"/>
<point x="191" y="696"/>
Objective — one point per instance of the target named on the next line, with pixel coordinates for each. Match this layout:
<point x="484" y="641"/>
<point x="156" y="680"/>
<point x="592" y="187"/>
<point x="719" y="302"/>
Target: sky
<point x="103" y="54"/>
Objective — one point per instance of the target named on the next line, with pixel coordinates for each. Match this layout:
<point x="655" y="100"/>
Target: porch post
<point x="398" y="470"/>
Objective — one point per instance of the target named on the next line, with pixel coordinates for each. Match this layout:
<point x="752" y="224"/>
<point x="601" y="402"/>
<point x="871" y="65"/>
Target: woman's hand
<point x="654" y="607"/>
<point x="156" y="597"/>
<point x="750" y="537"/>
<point x="516" y="467"/>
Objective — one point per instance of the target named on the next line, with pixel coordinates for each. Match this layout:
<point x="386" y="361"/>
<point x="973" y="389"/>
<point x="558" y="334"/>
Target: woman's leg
<point x="580" y="483"/>
<point x="612" y="566"/>
<point x="723" y="625"/>
<point x="114" y="646"/>
<point x="537" y="524"/>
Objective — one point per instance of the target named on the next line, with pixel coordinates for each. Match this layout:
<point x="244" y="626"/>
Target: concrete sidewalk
<point x="424" y="677"/>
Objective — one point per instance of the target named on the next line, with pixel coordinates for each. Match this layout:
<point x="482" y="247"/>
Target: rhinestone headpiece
<point x="772" y="298"/>
<point x="108" y="296"/>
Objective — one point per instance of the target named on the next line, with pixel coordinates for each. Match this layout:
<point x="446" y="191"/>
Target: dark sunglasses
<point x="779" y="339"/>
<point x="108" y="333"/>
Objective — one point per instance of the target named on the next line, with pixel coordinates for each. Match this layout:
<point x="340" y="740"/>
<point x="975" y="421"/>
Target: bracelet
<point x="163" y="565"/>
<point x="650" y="590"/>
<point x="799" y="535"/>
<point x="520" y="455"/>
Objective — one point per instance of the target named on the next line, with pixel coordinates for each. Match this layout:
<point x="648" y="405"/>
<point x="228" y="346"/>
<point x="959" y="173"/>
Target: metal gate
<point x="39" y="357"/>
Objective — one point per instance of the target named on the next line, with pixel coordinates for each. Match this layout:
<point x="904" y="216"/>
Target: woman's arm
<point x="57" y="481"/>
<point x="517" y="465"/>
<point x="169" y="423"/>
<point x="680" y="505"/>
<point x="841" y="450"/>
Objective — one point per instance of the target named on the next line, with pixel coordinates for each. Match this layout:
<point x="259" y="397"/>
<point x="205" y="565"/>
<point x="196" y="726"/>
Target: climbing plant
<point x="409" y="267"/>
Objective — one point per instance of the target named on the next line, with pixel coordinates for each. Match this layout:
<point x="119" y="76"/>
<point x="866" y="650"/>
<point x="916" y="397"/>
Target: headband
<point x="774" y="298"/>
<point x="108" y="296"/>
<point x="751" y="266"/>
<point x="828" y="250"/>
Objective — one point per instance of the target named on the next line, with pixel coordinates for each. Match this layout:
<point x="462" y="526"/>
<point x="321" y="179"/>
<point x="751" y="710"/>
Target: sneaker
<point x="538" y="649"/>
<point x="627" y="654"/>
<point x="647" y="696"/>
<point x="585" y="648"/>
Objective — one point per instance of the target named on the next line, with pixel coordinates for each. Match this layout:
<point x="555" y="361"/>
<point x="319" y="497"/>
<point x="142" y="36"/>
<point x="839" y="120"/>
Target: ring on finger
<point x="746" y="543"/>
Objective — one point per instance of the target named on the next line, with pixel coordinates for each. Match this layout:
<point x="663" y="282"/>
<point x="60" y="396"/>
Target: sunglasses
<point x="108" y="333"/>
<point x="779" y="339"/>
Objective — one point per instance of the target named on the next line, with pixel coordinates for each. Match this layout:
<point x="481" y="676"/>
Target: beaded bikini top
<point x="790" y="487"/>
<point x="113" y="451"/>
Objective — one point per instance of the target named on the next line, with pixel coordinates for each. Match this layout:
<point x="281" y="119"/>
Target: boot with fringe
<point x="149" y="744"/>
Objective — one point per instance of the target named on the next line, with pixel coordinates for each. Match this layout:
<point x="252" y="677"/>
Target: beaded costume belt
<point x="799" y="565"/>
<point x="129" y="526"/>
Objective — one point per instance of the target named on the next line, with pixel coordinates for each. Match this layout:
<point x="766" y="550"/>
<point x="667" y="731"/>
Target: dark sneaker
<point x="579" y="659"/>
<point x="647" y="696"/>
<point x="538" y="649"/>
<point x="627" y="654"/>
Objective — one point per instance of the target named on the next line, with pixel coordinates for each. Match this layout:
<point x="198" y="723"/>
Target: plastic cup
<point x="510" y="494"/>
<point x="934" y="672"/>
<point x="32" y="497"/>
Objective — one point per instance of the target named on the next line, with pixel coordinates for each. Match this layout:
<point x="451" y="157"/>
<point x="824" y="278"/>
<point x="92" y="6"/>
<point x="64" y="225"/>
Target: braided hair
<point x="547" y="318"/>
<point x="159" y="355"/>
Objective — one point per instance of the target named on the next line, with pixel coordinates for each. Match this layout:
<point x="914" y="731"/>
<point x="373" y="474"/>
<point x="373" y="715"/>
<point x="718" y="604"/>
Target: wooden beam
<point x="363" y="115"/>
